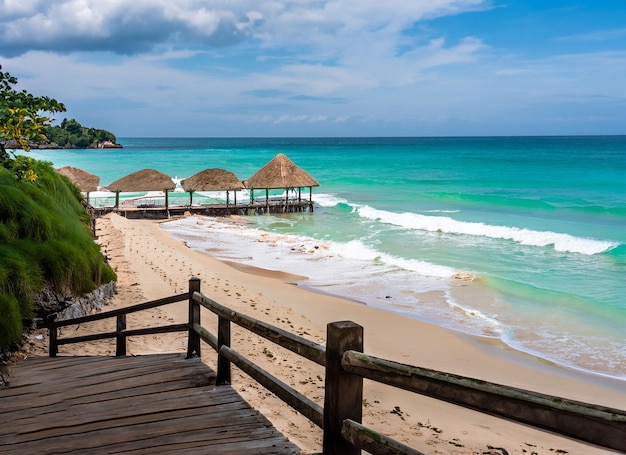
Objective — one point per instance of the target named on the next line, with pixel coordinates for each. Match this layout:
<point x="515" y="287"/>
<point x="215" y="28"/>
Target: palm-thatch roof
<point x="144" y="180"/>
<point x="85" y="181"/>
<point x="212" y="180"/>
<point x="281" y="172"/>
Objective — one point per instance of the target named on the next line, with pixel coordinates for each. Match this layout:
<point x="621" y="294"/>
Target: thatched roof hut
<point x="144" y="180"/>
<point x="212" y="180"/>
<point x="85" y="181"/>
<point x="280" y="173"/>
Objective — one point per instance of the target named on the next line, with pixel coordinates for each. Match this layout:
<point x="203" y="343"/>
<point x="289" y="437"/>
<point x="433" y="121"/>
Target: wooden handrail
<point x="121" y="333"/>
<point x="126" y="310"/>
<point x="346" y="367"/>
<point x="588" y="422"/>
<point x="306" y="348"/>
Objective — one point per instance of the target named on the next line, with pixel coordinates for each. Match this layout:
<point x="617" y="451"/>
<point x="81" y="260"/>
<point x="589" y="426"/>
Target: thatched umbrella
<point x="280" y="173"/>
<point x="85" y="181"/>
<point x="212" y="180"/>
<point x="144" y="180"/>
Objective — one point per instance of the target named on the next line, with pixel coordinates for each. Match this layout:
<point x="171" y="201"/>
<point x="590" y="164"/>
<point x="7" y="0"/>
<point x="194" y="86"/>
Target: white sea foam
<point x="328" y="200"/>
<point x="476" y="321"/>
<point x="361" y="272"/>
<point x="199" y="229"/>
<point x="560" y="242"/>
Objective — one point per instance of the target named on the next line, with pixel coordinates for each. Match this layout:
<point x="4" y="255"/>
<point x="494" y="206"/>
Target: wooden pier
<point x="142" y="405"/>
<point x="159" y="211"/>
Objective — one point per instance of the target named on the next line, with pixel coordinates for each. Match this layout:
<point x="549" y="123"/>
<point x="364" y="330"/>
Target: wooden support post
<point x="120" y="339"/>
<point x="344" y="391"/>
<point x="193" y="342"/>
<point x="223" y="339"/>
<point x="53" y="348"/>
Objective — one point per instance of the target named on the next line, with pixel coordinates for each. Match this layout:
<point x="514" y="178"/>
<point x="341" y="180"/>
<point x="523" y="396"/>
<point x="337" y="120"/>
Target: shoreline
<point x="152" y="264"/>
<point x="491" y="344"/>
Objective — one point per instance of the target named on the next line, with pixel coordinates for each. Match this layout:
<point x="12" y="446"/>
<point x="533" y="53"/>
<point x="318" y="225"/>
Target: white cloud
<point x="130" y="26"/>
<point x="266" y="67"/>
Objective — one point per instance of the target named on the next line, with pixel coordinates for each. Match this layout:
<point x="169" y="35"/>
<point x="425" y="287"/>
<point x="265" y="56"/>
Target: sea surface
<point x="518" y="238"/>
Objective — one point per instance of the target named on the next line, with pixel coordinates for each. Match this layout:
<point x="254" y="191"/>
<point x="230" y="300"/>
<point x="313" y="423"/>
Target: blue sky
<point x="230" y="68"/>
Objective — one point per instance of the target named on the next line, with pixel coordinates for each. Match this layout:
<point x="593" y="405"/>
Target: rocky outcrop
<point x="68" y="307"/>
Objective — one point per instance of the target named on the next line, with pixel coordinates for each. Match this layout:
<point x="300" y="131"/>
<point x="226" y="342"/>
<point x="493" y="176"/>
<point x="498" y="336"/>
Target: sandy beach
<point x="151" y="264"/>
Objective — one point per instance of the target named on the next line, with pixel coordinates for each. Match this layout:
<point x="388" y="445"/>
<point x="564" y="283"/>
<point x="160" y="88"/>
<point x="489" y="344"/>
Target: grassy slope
<point x="45" y="241"/>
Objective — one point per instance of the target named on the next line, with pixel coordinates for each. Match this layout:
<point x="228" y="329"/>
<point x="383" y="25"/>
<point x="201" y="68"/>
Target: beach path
<point x="162" y="403"/>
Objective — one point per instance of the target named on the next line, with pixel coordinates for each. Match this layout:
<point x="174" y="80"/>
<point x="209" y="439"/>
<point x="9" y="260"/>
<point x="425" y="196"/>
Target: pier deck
<point x="160" y="211"/>
<point x="145" y="404"/>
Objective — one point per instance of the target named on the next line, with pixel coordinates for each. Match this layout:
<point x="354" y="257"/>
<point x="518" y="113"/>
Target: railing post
<point x="53" y="348"/>
<point x="344" y="391"/>
<point x="193" y="343"/>
<point x="120" y="339"/>
<point x="223" y="339"/>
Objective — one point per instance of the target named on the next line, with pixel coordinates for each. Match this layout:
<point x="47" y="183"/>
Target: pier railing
<point x="345" y="368"/>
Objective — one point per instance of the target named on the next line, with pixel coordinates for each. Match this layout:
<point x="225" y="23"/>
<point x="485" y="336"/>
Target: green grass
<point x="45" y="241"/>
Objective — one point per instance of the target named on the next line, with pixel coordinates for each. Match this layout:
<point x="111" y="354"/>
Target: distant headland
<point x="72" y="135"/>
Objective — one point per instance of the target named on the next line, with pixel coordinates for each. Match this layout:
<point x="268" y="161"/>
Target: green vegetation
<point x="45" y="240"/>
<point x="72" y="134"/>
<point x="21" y="121"/>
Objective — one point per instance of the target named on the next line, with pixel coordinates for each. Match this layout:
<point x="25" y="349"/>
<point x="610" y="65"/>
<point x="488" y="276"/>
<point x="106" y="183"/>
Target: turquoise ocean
<point x="518" y="238"/>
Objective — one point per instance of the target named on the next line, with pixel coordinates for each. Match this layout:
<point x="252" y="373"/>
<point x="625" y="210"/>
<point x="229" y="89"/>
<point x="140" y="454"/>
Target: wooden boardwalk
<point x="133" y="405"/>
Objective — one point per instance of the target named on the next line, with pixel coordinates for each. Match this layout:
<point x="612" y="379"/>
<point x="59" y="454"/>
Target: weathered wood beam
<point x="125" y="333"/>
<point x="587" y="422"/>
<point x="343" y="395"/>
<point x="373" y="442"/>
<point x="193" y="339"/>
<point x="183" y="327"/>
<point x="120" y="342"/>
<point x="125" y="310"/>
<point x="206" y="336"/>
<point x="308" y="349"/>
<point x="311" y="410"/>
<point x="223" y="340"/>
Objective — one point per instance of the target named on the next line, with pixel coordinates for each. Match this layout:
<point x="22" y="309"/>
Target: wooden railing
<point x="346" y="366"/>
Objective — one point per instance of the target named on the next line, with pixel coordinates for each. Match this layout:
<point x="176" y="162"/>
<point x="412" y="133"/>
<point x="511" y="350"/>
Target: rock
<point x="67" y="306"/>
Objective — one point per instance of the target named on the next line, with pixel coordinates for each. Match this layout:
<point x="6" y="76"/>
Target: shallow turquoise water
<point x="538" y="224"/>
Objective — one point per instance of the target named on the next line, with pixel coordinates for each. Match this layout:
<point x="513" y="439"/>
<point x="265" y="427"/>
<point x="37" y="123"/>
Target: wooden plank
<point x="111" y="380"/>
<point x="147" y="412"/>
<point x="132" y="431"/>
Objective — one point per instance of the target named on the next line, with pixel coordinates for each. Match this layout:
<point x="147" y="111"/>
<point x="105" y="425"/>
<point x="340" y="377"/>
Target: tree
<point x="22" y="120"/>
<point x="72" y="134"/>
